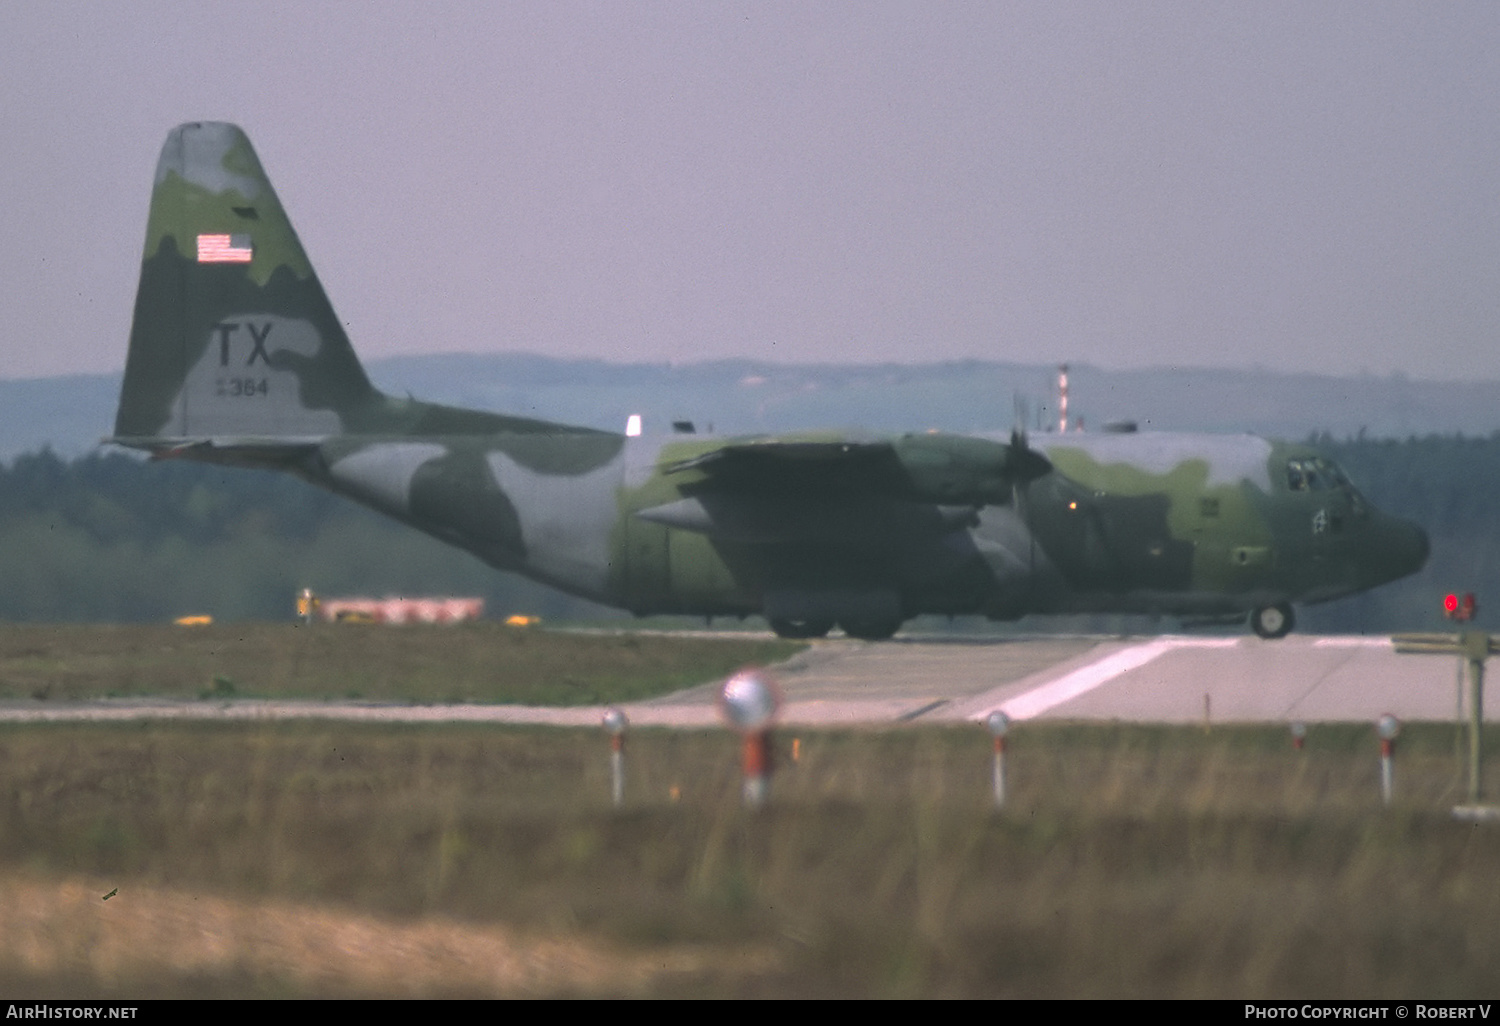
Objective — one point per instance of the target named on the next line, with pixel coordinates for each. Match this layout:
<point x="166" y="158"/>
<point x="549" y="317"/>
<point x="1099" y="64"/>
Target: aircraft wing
<point x="823" y="467"/>
<point x="931" y="468"/>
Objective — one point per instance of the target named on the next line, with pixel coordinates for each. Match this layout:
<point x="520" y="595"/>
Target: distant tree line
<point x="106" y="537"/>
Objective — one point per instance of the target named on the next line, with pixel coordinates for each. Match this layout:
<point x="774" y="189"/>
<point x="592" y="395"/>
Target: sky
<point x="1288" y="186"/>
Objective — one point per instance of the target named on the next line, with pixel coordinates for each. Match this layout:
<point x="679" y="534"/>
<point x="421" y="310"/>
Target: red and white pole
<point x="749" y="702"/>
<point x="615" y="723"/>
<point x="1387" y="727"/>
<point x="999" y="723"/>
<point x="755" y="760"/>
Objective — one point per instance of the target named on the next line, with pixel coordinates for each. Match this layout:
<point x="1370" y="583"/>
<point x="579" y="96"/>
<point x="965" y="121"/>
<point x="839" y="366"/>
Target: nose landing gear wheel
<point x="1272" y="621"/>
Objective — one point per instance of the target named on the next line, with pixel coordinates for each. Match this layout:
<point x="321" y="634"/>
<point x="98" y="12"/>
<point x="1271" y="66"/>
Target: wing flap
<point x="853" y="520"/>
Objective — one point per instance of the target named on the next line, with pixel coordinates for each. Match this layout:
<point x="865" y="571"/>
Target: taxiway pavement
<point x="841" y="683"/>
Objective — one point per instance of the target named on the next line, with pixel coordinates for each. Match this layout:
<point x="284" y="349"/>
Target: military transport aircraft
<point x="236" y="357"/>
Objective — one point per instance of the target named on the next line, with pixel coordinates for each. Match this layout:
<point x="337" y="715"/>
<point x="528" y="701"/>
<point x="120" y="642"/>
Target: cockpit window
<point x="1314" y="474"/>
<point x="1300" y="475"/>
<point x="1334" y="474"/>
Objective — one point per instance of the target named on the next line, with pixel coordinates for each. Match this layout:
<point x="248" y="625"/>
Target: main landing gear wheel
<point x="800" y="629"/>
<point x="1272" y="621"/>
<point x="871" y="630"/>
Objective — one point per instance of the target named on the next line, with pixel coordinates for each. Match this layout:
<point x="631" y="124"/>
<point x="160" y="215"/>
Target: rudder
<point x="233" y="336"/>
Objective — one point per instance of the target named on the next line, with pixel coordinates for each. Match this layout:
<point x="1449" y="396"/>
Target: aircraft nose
<point x="1423" y="548"/>
<point x="1404" y="549"/>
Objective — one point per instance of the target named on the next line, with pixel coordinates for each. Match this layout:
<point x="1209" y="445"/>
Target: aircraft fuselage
<point x="1150" y="523"/>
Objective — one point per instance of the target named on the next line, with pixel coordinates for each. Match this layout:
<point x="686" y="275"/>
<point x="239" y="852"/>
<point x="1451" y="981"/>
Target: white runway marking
<point x="1085" y="679"/>
<point x="1352" y="642"/>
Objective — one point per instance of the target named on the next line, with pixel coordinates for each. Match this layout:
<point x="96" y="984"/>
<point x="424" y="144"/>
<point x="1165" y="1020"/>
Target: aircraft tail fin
<point x="233" y="336"/>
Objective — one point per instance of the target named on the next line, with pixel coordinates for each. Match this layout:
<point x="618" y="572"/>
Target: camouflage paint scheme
<point x="240" y="359"/>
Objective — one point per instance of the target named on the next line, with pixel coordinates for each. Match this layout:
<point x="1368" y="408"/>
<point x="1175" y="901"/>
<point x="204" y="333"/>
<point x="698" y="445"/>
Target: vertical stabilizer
<point x="232" y="336"/>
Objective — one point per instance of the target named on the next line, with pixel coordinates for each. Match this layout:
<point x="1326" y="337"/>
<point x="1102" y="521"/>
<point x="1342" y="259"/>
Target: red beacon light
<point x="1460" y="608"/>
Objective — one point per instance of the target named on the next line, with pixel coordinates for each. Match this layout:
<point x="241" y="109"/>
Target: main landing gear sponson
<point x="1273" y="621"/>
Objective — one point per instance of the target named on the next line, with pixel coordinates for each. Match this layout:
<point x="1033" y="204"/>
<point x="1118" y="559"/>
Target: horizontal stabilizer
<point x="266" y="453"/>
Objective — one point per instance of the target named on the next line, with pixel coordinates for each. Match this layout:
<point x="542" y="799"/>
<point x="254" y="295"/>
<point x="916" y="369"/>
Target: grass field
<point x="477" y="662"/>
<point x="318" y="859"/>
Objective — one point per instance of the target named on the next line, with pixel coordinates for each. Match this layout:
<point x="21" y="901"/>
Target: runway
<point x="842" y="683"/>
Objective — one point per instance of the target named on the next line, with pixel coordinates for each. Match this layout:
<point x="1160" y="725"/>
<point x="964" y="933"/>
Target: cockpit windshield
<point x="1316" y="474"/>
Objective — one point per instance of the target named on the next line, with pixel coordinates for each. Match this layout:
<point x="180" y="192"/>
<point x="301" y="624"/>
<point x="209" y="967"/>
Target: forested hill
<point x="108" y="538"/>
<point x="744" y="397"/>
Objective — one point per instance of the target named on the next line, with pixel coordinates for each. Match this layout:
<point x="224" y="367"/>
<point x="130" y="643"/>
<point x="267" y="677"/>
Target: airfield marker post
<point x="615" y="723"/>
<point x="1458" y="715"/>
<point x="1299" y="735"/>
<point x="999" y="724"/>
<point x="1476" y="646"/>
<point x="749" y="702"/>
<point x="755" y="758"/>
<point x="1473" y="647"/>
<point x="1387" y="727"/>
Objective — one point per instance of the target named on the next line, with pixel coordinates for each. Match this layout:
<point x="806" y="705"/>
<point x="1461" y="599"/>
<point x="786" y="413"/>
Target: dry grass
<point x="477" y="662"/>
<point x="1137" y="862"/>
<point x="159" y="940"/>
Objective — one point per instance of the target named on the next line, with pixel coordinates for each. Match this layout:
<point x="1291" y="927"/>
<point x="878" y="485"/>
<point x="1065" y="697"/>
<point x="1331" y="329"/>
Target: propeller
<point x="1023" y="463"/>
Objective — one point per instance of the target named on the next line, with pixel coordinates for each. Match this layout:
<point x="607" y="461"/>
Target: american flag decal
<point x="224" y="249"/>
